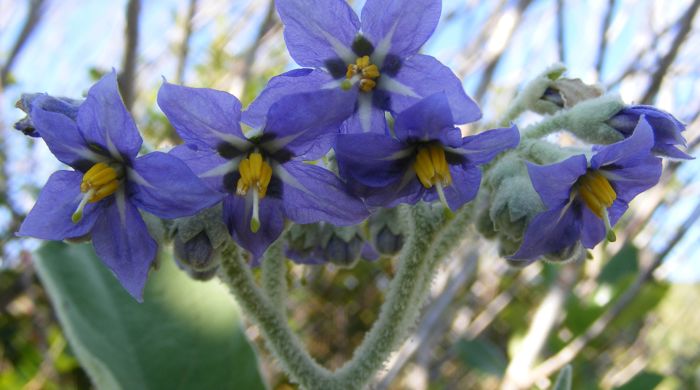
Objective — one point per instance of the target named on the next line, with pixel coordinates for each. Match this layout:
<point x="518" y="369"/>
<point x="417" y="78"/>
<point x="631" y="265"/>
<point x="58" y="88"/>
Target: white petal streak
<point x="223" y="169"/>
<point x="288" y="179"/>
<point x="364" y="110"/>
<point x="389" y="84"/>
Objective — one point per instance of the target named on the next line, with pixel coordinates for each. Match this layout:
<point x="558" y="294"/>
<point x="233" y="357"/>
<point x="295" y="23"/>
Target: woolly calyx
<point x="588" y="120"/>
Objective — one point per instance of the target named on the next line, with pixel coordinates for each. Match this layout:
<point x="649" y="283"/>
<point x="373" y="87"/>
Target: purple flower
<point x="667" y="129"/>
<point x="264" y="175"/>
<point x="585" y="199"/>
<point x="102" y="196"/>
<point x="376" y="59"/>
<point x="66" y="106"/>
<point x="428" y="159"/>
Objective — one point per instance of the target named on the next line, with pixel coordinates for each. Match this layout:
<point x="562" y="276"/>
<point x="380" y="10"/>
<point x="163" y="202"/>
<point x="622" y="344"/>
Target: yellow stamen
<point x="431" y="167"/>
<point x="368" y="73"/>
<point x="596" y="192"/>
<point x="256" y="175"/>
<point x="99" y="182"/>
<point x="101" y="178"/>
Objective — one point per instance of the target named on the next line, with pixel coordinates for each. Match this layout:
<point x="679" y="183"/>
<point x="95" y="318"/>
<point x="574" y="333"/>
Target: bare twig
<point x="667" y="60"/>
<point x="603" y="45"/>
<point x="30" y="23"/>
<point x="128" y="71"/>
<point x="492" y="65"/>
<point x="561" y="47"/>
<point x="251" y="53"/>
<point x="184" y="48"/>
<point x="545" y="319"/>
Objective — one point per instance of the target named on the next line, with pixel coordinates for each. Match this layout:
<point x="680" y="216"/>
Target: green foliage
<point x="645" y="380"/>
<point x="563" y="381"/>
<point x="186" y="334"/>
<point x="623" y="264"/>
<point x="483" y="355"/>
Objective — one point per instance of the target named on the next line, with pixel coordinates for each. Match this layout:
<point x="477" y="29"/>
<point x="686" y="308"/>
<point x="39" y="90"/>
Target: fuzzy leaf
<point x="186" y="334"/>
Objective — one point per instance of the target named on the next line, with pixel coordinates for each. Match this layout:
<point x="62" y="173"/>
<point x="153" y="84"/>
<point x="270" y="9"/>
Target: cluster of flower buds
<point x="357" y="73"/>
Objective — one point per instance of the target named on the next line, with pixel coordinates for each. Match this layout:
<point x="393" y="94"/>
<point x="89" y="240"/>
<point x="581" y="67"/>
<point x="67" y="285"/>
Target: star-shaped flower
<point x="427" y="159"/>
<point x="375" y="59"/>
<point x="264" y="176"/>
<point x="102" y="196"/>
<point x="584" y="199"/>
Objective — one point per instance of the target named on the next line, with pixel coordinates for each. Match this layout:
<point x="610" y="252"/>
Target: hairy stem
<point x="286" y="347"/>
<point x="274" y="273"/>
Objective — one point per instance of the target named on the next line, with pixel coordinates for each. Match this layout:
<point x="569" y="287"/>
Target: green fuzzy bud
<point x="513" y="206"/>
<point x="588" y="120"/>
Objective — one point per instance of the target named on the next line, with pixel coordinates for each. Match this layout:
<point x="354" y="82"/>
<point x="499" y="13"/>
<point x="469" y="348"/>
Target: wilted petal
<point x="164" y="186"/>
<point x="50" y="218"/>
<point x="63" y="138"/>
<point x="318" y="31"/>
<point x="104" y="120"/>
<point x="61" y="105"/>
<point x="421" y="76"/>
<point x="314" y="194"/>
<point x="122" y="241"/>
<point x="400" y="27"/>
<point x="203" y="116"/>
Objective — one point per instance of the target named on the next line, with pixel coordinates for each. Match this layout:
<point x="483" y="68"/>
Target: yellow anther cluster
<point x="431" y="167"/>
<point x="102" y="180"/>
<point x="596" y="192"/>
<point x="368" y="72"/>
<point x="254" y="172"/>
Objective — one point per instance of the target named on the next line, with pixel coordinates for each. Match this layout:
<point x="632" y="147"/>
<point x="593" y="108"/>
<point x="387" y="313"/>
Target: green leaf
<point x="645" y="380"/>
<point x="186" y="334"/>
<point x="624" y="263"/>
<point x="563" y="381"/>
<point x="483" y="355"/>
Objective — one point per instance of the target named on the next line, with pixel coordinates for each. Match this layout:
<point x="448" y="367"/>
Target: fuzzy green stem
<point x="430" y="238"/>
<point x="282" y="342"/>
<point x="274" y="275"/>
<point x="400" y="310"/>
<point x="547" y="126"/>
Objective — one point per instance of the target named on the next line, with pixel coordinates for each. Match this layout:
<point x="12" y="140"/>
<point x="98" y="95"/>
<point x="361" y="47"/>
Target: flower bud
<point x="195" y="253"/>
<point x="387" y="242"/>
<point x="385" y="232"/>
<point x="343" y="253"/>
<point x="513" y="205"/>
<point x="588" y="120"/>
<point x="61" y="105"/>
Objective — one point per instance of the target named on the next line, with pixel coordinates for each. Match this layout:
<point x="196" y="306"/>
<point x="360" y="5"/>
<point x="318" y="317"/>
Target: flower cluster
<point x="333" y="114"/>
<point x="360" y="73"/>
